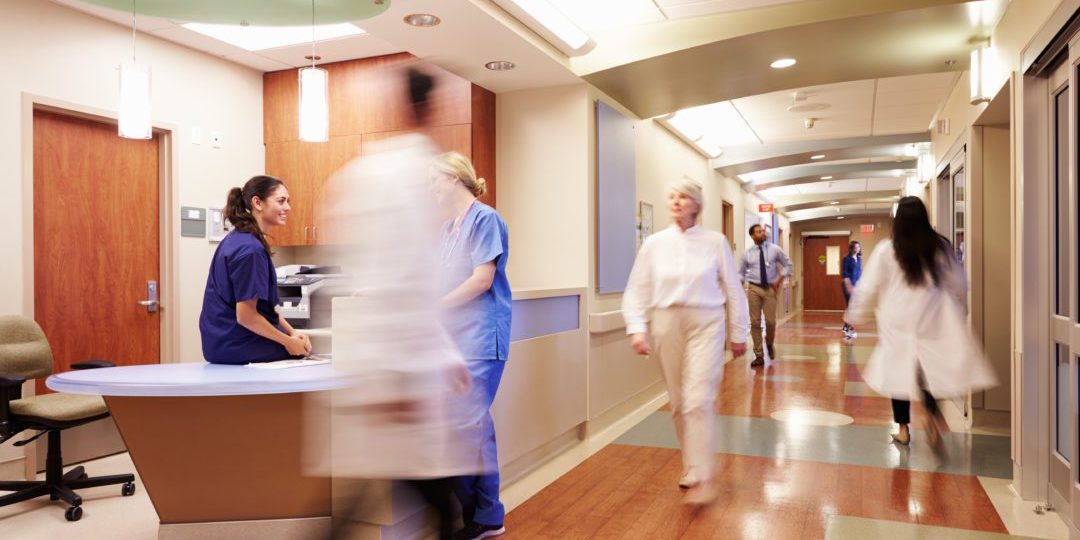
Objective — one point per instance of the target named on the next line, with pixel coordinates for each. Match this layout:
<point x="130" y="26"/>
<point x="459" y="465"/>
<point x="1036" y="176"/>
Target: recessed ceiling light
<point x="782" y="63"/>
<point x="826" y="178"/>
<point x="818" y="156"/>
<point x="499" y="65"/>
<point x="834" y="202"/>
<point x="839" y="217"/>
<point x="423" y="20"/>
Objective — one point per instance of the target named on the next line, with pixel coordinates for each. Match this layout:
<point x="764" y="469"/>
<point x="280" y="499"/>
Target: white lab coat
<point x="918" y="327"/>
<point x="405" y="415"/>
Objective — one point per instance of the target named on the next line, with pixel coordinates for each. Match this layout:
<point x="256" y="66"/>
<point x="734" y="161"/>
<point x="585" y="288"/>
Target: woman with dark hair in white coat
<point x="916" y="289"/>
<point x="685" y="277"/>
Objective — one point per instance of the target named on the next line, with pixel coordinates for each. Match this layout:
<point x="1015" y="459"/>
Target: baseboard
<point x="317" y="528"/>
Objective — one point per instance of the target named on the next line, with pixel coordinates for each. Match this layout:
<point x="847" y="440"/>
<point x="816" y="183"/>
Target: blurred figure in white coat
<point x="916" y="289"/>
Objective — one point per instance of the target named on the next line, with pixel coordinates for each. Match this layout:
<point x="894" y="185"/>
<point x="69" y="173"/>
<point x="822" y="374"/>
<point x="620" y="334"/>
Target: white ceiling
<point x="603" y="15"/>
<point x="855" y="109"/>
<point x="681" y="9"/>
<point x="841" y="210"/>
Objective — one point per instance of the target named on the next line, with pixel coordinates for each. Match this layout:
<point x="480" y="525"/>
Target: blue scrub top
<point x="240" y="270"/>
<point x="852" y="269"/>
<point x="481" y="328"/>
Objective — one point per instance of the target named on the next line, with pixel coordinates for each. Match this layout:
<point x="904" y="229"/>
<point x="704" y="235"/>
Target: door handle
<point x="151" y="302"/>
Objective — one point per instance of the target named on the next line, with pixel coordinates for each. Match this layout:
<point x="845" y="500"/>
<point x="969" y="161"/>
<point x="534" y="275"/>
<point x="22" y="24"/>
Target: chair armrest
<point x="92" y="364"/>
<point x="11" y="381"/>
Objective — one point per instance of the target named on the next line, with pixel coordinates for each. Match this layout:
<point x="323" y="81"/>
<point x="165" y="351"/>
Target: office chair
<point x="25" y="354"/>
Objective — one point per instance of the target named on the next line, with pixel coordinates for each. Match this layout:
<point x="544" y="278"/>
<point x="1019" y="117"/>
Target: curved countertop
<point x="196" y="379"/>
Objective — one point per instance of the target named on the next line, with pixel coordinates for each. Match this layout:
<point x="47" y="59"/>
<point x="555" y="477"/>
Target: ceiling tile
<point x="848" y="114"/>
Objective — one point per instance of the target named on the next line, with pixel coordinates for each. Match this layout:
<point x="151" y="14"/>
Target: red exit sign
<point x="866" y="228"/>
<point x="764" y="208"/>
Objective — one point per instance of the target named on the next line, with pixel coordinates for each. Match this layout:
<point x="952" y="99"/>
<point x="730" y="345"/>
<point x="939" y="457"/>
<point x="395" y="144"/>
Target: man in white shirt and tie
<point x="763" y="268"/>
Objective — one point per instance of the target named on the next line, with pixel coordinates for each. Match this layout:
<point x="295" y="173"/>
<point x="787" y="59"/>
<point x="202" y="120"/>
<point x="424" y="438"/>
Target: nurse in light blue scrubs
<point x="239" y="323"/>
<point x="474" y="252"/>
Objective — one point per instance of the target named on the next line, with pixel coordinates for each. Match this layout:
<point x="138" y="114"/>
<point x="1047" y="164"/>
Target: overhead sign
<point x="764" y="208"/>
<point x="866" y="228"/>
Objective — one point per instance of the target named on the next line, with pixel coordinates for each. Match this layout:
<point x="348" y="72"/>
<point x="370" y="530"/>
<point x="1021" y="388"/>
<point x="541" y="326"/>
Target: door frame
<point x="168" y="226"/>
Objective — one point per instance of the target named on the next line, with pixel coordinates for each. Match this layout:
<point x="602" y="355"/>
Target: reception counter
<point x="219" y="444"/>
<point x="221" y="449"/>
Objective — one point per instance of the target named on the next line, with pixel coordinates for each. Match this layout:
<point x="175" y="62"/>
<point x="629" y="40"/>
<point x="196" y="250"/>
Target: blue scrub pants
<point x="479" y="495"/>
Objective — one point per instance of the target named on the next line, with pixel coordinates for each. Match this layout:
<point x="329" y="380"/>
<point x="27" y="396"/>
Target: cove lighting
<point x="713" y="127"/>
<point x="258" y="38"/>
<point x="818" y="156"/>
<point x="782" y="63"/>
<point x="552" y="24"/>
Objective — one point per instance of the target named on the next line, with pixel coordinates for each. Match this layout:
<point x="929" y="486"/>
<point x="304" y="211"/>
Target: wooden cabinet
<point x="368" y="103"/>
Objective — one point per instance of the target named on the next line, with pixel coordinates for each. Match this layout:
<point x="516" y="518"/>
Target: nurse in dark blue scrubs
<point x="239" y="322"/>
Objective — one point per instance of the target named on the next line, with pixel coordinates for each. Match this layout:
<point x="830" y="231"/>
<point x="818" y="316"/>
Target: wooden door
<point x="96" y="241"/>
<point x="823" y="258"/>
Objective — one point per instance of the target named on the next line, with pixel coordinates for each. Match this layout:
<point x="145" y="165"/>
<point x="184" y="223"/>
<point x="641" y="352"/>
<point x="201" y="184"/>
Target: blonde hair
<point x="459" y="166"/>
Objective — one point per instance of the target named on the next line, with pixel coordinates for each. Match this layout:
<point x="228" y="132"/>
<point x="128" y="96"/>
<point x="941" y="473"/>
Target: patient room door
<point x="96" y="241"/>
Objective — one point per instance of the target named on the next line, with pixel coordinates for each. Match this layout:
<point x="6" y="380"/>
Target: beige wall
<point x="64" y="55"/>
<point x="993" y="254"/>
<point x="61" y="54"/>
<point x="543" y="171"/>
<point x="882" y="231"/>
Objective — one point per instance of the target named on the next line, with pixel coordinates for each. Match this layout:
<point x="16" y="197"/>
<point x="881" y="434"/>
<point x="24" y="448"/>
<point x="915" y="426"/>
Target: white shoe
<point x="685" y="482"/>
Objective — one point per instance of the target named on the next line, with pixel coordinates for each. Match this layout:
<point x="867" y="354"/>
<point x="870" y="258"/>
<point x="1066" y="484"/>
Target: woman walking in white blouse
<point x="685" y="276"/>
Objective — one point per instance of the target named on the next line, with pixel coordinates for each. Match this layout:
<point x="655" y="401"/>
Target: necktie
<point x="761" y="267"/>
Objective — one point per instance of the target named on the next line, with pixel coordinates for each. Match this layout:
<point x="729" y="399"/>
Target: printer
<point x="305" y="293"/>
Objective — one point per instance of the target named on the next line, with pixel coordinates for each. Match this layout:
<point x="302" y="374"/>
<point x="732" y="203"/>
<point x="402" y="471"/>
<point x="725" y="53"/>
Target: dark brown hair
<point x="918" y="246"/>
<point x="238" y="205"/>
<point x="851" y="248"/>
<point x="420" y="86"/>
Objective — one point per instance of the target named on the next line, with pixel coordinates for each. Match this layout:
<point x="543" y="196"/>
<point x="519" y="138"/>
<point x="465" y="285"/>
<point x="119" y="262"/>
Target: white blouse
<point x="695" y="268"/>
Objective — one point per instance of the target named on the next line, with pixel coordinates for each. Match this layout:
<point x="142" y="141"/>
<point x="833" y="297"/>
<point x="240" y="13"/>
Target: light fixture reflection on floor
<point x="314" y="98"/>
<point x="133" y="103"/>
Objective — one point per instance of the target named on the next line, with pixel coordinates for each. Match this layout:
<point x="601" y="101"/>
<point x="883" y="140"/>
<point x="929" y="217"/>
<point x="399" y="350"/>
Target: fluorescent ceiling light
<point x="258" y="38"/>
<point x="782" y="63"/>
<point x="713" y="126"/>
<point x="552" y="24"/>
<point x="600" y="15"/>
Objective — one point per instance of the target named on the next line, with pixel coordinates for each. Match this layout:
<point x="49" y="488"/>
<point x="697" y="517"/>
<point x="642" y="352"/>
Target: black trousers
<point x="901" y="408"/>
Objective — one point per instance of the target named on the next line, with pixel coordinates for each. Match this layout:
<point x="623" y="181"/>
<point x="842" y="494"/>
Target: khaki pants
<point x="762" y="300"/>
<point x="690" y="344"/>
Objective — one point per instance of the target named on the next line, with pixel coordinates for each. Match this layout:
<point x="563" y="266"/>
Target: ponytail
<point x="238" y="206"/>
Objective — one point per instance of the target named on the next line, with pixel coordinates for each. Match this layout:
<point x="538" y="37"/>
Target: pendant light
<point x="314" y="106"/>
<point x="134" y="101"/>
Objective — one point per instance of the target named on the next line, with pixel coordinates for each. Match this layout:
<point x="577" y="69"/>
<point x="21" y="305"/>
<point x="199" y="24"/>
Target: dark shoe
<point x="772" y="353"/>
<point x="476" y="531"/>
<point x="758" y="362"/>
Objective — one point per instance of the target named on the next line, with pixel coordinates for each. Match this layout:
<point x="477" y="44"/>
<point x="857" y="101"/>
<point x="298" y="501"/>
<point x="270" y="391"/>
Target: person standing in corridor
<point x="852" y="271"/>
<point x="764" y="267"/>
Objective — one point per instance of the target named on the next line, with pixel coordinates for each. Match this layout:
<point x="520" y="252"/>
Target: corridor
<point x="804" y="453"/>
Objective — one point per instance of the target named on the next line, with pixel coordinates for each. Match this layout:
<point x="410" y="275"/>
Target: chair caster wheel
<point x="73" y="514"/>
<point x="128" y="489"/>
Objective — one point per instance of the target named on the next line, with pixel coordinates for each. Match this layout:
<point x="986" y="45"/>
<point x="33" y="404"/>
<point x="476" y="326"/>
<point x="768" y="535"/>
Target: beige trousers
<point x="690" y="345"/>
<point x="762" y="300"/>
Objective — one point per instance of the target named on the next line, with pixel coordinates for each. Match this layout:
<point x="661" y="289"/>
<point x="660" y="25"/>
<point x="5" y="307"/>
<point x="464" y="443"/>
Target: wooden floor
<point x="627" y="492"/>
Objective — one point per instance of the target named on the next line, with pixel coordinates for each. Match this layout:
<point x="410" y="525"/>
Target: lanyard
<point x="455" y="234"/>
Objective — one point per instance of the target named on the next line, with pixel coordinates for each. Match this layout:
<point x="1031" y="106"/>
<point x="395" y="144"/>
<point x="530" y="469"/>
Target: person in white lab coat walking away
<point x="916" y="289"/>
